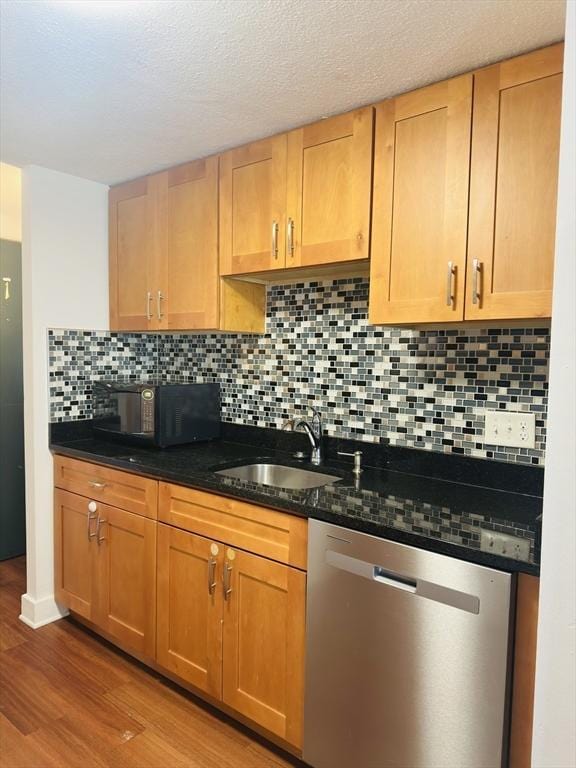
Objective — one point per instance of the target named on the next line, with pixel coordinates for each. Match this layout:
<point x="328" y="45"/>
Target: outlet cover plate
<point x="516" y="429"/>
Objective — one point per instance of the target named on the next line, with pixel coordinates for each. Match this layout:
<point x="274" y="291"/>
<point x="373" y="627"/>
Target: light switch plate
<point x="504" y="544"/>
<point x="511" y="428"/>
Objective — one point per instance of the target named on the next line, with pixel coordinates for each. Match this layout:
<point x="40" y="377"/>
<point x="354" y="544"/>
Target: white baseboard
<point x="37" y="613"/>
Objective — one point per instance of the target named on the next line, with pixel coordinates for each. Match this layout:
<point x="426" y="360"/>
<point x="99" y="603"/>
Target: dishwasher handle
<point x="393" y="579"/>
<point x="421" y="588"/>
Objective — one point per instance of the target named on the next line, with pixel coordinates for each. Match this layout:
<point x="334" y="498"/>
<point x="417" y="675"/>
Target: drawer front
<point x="110" y="486"/>
<point x="275" y="535"/>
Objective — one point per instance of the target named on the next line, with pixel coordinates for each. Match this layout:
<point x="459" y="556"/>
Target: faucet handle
<point x="357" y="455"/>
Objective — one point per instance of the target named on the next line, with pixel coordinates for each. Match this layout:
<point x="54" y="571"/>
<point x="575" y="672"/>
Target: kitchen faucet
<point x="313" y="429"/>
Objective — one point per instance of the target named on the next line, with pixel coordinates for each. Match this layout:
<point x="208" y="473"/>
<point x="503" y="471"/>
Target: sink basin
<point x="279" y="476"/>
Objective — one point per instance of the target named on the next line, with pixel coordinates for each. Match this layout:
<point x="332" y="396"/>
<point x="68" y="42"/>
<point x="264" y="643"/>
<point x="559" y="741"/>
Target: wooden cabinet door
<point x="330" y="190"/>
<point x="252" y="207"/>
<point x="189" y="622"/>
<point x="420" y="207"/>
<point x="74" y="547"/>
<point x="133" y="248"/>
<point x="513" y="186"/>
<point x="191" y="276"/>
<point x="126" y="581"/>
<point x="264" y="631"/>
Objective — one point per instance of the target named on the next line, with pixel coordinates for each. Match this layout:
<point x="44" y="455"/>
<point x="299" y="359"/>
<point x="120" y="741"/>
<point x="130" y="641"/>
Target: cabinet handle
<point x="274" y="239"/>
<point x="211" y="576"/>
<point x="99" y="522"/>
<point x="92" y="507"/>
<point x="226" y="581"/>
<point x="290" y="237"/>
<point x="159" y="299"/>
<point x="148" y="305"/>
<point x="96" y="484"/>
<point x="476" y="275"/>
<point x="451" y="271"/>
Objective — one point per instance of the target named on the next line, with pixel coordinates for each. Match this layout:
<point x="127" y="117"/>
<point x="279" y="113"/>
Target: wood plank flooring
<point x="70" y="700"/>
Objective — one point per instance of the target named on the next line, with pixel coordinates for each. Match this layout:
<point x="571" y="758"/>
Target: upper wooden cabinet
<point x="420" y="204"/>
<point x="513" y="187"/>
<point x="300" y="199"/>
<point x="164" y="256"/>
<point x="464" y="207"/>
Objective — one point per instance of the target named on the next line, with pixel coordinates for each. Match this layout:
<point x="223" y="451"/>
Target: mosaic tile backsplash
<point x="411" y="387"/>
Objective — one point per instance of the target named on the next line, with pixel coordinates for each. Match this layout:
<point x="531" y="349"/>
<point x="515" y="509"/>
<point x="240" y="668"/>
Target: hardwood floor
<point x="70" y="700"/>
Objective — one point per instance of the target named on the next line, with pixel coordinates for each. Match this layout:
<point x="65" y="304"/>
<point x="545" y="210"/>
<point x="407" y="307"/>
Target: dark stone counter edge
<point x="207" y="483"/>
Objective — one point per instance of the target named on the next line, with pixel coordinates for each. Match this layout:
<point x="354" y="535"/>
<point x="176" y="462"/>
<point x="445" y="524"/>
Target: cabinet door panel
<point x="126" y="552"/>
<point x="264" y="627"/>
<point x="133" y="234"/>
<point x="191" y="204"/>
<point x="419" y="219"/>
<point x="189" y="629"/>
<point x="514" y="173"/>
<point x="252" y="200"/>
<point x="73" y="553"/>
<point x="329" y="190"/>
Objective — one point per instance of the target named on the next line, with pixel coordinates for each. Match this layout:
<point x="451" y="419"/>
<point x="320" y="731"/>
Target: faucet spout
<point x="314" y="435"/>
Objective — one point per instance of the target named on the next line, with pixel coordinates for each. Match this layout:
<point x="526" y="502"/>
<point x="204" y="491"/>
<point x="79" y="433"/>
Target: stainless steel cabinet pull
<point x="159" y="298"/>
<point x="96" y="484"/>
<point x="99" y="522"/>
<point x="290" y="237"/>
<point x="476" y="275"/>
<point x="226" y="581"/>
<point x="148" y="305"/>
<point x="274" y="239"/>
<point x="450" y="283"/>
<point x="211" y="576"/>
<point x="92" y="507"/>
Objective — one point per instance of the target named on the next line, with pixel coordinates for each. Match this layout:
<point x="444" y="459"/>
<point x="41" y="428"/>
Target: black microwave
<point x="156" y="414"/>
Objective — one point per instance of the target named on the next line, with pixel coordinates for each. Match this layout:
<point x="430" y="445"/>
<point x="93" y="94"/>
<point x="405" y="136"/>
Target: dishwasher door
<point x="407" y="659"/>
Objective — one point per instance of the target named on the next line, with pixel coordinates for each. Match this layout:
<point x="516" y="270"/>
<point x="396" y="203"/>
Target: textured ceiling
<point x="112" y="89"/>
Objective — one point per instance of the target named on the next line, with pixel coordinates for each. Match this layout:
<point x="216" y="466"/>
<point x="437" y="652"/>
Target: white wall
<point x="65" y="284"/>
<point x="554" y="740"/>
<point x="10" y="202"/>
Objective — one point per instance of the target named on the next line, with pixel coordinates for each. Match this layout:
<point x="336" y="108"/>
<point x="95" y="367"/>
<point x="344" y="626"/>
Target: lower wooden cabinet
<point x="264" y="642"/>
<point x="233" y="625"/>
<point x="106" y="568"/>
<point x="189" y="627"/>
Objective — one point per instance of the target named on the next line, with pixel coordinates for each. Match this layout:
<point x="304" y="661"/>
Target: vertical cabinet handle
<point x="226" y="581"/>
<point x="92" y="515"/>
<point x="476" y="275"/>
<point x="99" y="522"/>
<point x="159" y="299"/>
<point x="274" y="239"/>
<point x="451" y="271"/>
<point x="148" y="305"/>
<point x="290" y="237"/>
<point x="211" y="576"/>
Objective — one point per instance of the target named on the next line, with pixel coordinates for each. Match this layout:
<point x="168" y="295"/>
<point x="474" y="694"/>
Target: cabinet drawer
<point x="275" y="535"/>
<point x="110" y="486"/>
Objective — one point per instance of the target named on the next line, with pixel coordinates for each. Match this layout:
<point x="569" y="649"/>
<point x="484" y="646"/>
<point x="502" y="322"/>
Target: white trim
<point x="38" y="613"/>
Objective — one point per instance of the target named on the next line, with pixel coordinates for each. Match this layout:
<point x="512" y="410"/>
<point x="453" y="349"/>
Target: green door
<point x="12" y="497"/>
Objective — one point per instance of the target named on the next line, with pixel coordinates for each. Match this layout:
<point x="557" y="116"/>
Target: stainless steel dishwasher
<point x="407" y="656"/>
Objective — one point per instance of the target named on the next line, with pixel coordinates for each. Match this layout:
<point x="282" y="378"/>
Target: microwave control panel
<point x="147" y="410"/>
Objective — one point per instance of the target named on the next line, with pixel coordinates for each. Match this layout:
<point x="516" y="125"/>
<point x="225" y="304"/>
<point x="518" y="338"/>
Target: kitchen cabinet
<point x="214" y="594"/>
<point x="420" y="204"/>
<point x="300" y="199"/>
<point x="164" y="273"/>
<point x="513" y="187"/>
<point x="105" y="568"/>
<point x="264" y="638"/>
<point x="465" y="197"/>
<point x="189" y="630"/>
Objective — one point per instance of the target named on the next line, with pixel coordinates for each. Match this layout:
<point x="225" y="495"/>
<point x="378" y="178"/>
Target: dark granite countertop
<point x="432" y="501"/>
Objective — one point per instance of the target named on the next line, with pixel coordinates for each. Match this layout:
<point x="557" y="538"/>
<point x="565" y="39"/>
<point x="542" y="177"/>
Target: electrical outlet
<point x="504" y="544"/>
<point x="511" y="428"/>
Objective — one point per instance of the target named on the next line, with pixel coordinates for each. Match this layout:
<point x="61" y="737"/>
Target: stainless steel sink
<point x="279" y="476"/>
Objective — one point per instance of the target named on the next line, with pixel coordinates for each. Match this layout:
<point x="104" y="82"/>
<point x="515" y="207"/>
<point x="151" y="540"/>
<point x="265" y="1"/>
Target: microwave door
<point x="130" y="412"/>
